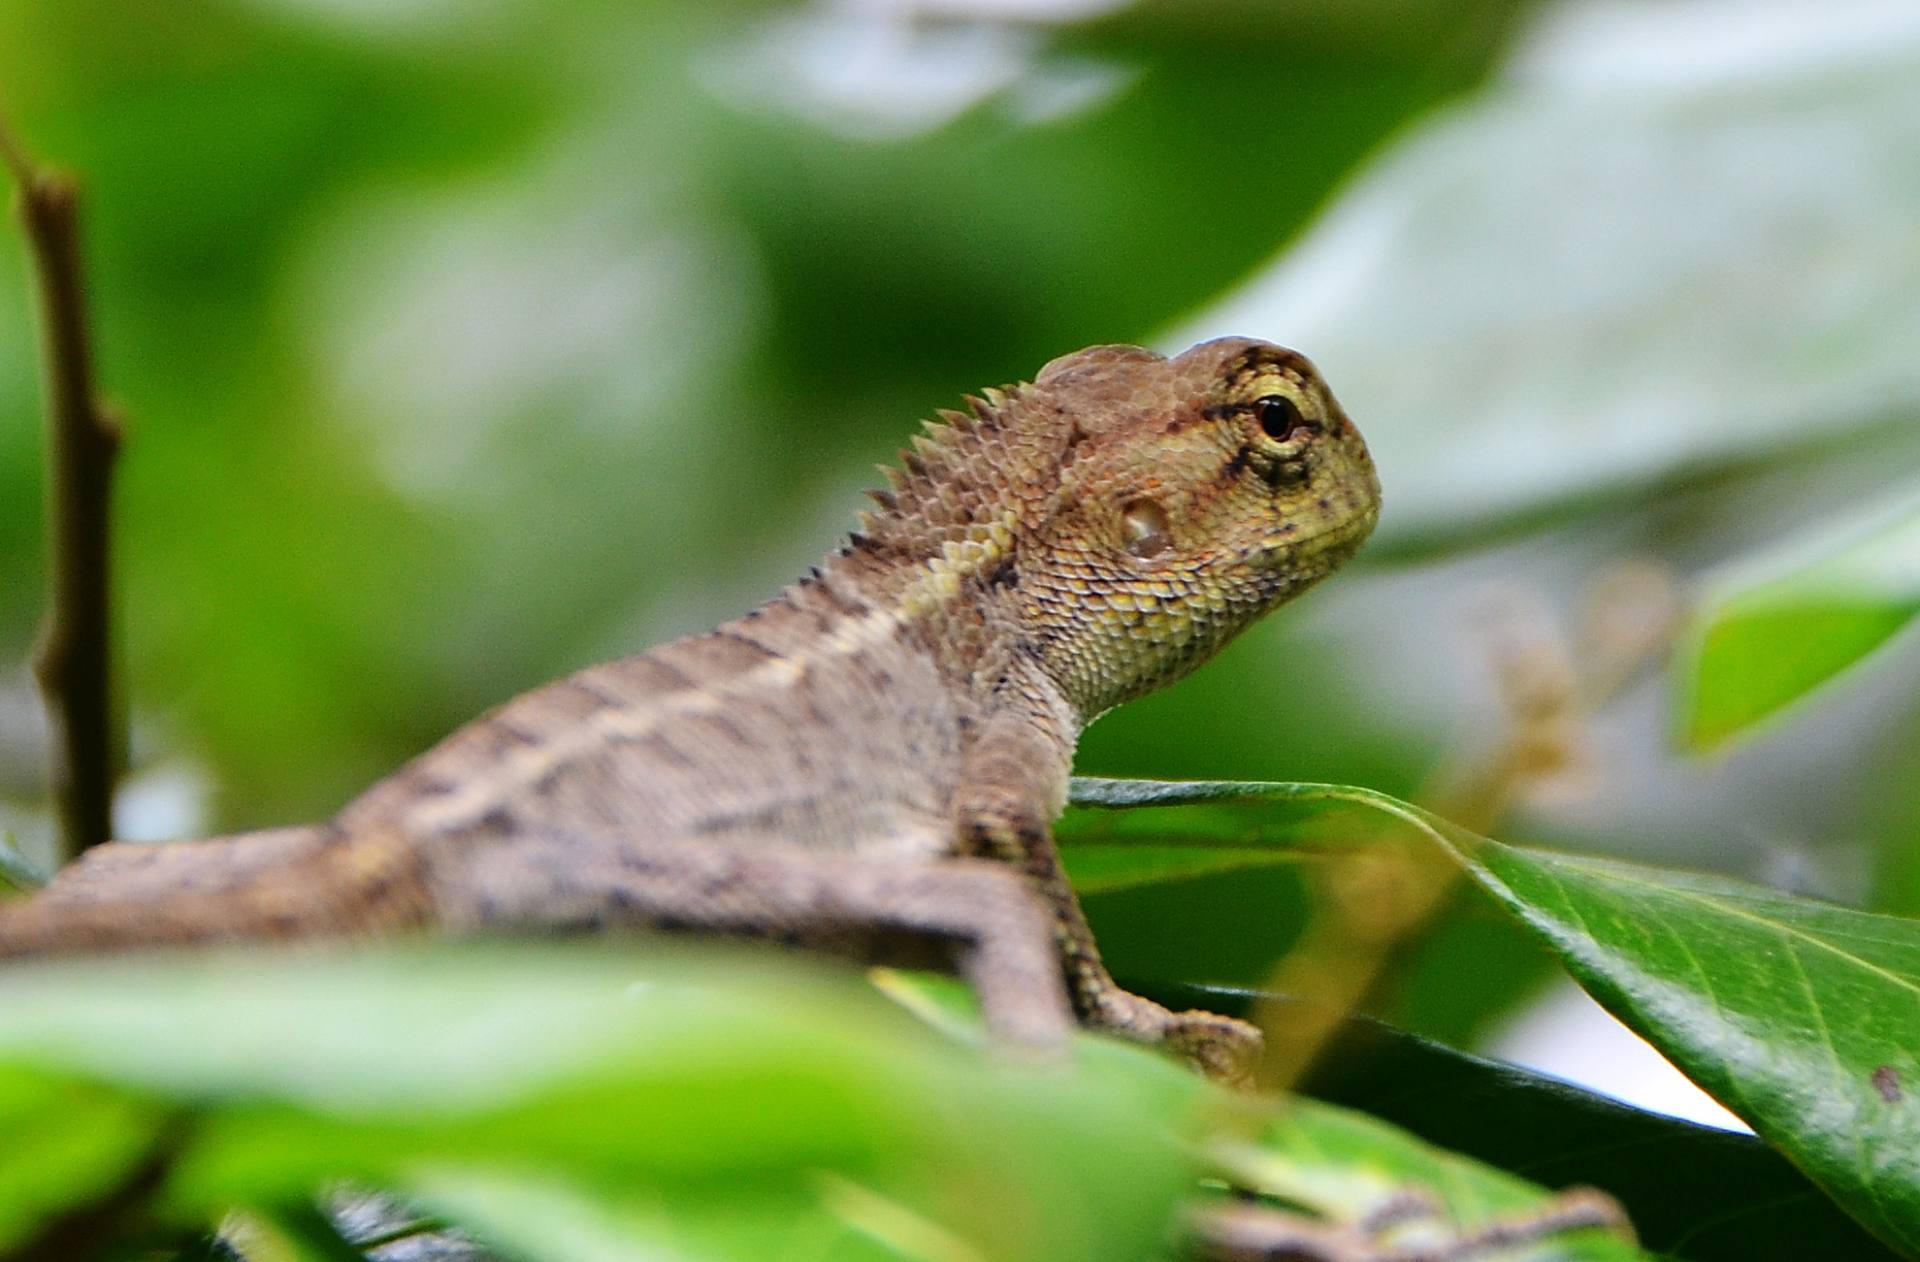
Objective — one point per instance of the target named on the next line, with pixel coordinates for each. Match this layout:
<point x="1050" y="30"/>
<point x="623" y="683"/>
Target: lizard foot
<point x="1222" y="1048"/>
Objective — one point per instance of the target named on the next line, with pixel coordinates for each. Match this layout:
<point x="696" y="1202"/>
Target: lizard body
<point x="873" y="758"/>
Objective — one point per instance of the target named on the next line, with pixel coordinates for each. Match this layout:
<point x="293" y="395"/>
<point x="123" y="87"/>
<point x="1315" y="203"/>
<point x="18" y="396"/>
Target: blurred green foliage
<point x="495" y="1083"/>
<point x="1767" y="642"/>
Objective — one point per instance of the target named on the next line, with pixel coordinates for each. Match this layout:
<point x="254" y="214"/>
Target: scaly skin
<point x="860" y="761"/>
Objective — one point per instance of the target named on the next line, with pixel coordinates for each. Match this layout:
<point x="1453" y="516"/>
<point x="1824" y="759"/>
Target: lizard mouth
<point x="1329" y="542"/>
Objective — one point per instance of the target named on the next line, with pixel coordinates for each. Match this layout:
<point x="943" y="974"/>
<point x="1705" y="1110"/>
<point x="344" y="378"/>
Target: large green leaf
<point x="1802" y="1017"/>
<point x="1764" y="640"/>
<point x="748" y="1101"/>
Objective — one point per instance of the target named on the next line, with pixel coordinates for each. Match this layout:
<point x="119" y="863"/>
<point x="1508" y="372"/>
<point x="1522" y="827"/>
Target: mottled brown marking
<point x="660" y="676"/>
<point x="660" y="746"/>
<point x="1886" y="1080"/>
<point x="580" y="696"/>
<point x="734" y="638"/>
<point x="727" y="726"/>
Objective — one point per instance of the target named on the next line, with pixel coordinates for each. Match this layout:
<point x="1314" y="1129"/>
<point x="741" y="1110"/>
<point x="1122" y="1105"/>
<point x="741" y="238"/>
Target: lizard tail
<point x="282" y="885"/>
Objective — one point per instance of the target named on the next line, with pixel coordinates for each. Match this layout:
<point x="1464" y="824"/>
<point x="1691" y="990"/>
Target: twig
<point x="73" y="657"/>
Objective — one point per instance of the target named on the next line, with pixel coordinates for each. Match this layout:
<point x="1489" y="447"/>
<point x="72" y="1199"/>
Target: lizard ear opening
<point x="1148" y="533"/>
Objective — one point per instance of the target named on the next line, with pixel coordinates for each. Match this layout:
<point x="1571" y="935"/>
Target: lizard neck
<point x="942" y="552"/>
<point x="960" y="612"/>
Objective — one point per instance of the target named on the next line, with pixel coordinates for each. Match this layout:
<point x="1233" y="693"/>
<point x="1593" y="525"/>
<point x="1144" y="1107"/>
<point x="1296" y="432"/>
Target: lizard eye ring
<point x="1280" y="418"/>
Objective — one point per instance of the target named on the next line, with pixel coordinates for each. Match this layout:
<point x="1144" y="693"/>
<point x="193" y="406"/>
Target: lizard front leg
<point x="978" y="920"/>
<point x="1013" y="784"/>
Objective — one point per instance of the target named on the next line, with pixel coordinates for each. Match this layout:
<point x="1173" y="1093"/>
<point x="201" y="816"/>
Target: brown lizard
<point x="872" y="759"/>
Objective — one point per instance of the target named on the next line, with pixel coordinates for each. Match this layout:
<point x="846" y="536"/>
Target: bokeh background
<point x="465" y="342"/>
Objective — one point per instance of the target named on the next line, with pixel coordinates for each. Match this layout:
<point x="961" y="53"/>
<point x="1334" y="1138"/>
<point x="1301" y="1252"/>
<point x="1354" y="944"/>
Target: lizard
<point x="872" y="760"/>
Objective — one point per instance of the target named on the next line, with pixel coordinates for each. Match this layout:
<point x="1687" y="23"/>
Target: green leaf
<point x="1763" y="642"/>
<point x="1111" y="851"/>
<point x="1195" y="830"/>
<point x="753" y="1099"/>
<point x="1802" y="1017"/>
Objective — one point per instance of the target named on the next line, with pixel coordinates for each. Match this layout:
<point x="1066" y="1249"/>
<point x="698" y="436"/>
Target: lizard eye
<point x="1280" y="418"/>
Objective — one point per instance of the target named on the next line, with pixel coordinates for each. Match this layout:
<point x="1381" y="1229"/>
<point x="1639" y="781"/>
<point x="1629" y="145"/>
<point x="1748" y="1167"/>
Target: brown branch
<point x="73" y="658"/>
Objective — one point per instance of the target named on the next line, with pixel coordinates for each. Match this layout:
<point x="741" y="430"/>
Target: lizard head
<point x="1193" y="495"/>
<point x="1121" y="517"/>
